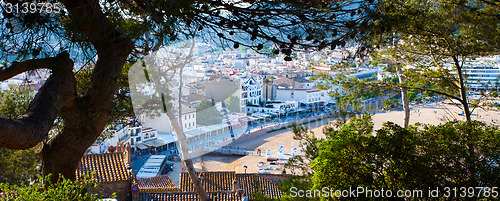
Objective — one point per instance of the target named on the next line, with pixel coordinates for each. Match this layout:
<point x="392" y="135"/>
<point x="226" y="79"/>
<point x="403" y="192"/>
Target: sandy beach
<point x="431" y="113"/>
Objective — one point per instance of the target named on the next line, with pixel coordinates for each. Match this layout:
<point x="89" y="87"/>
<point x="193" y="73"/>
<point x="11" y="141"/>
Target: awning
<point x="141" y="146"/>
<point x="155" y="143"/>
<point x="168" y="138"/>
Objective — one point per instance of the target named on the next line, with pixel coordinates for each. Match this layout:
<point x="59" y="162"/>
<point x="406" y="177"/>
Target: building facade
<point x="250" y="92"/>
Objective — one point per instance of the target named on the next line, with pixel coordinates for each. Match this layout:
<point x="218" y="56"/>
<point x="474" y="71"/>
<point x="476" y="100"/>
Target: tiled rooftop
<point x="108" y="167"/>
<point x="222" y="181"/>
<point x="212" y="181"/>
<point x="161" y="183"/>
<point x="187" y="196"/>
<point x="268" y="184"/>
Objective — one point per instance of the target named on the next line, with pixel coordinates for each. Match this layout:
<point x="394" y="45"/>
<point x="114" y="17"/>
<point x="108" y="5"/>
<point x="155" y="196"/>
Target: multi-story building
<point x="188" y="118"/>
<point x="301" y="95"/>
<point x="299" y="90"/>
<point x="250" y="92"/>
<point x="135" y="134"/>
<point x="119" y="133"/>
<point x="274" y="108"/>
<point x="482" y="73"/>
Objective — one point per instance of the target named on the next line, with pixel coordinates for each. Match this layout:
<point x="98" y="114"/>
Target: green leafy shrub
<point x="64" y="189"/>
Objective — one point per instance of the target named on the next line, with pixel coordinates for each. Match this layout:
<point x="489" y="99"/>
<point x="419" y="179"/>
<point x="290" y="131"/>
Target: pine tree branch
<point x="20" y="67"/>
<point x="34" y="126"/>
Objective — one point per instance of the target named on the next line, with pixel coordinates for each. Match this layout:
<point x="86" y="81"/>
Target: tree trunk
<point x="85" y="117"/>
<point x="463" y="90"/>
<point x="185" y="157"/>
<point x="404" y="97"/>
<point x="471" y="159"/>
<point x="182" y="138"/>
<point x="404" y="91"/>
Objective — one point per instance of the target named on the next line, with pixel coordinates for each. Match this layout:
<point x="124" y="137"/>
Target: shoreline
<point x="430" y="113"/>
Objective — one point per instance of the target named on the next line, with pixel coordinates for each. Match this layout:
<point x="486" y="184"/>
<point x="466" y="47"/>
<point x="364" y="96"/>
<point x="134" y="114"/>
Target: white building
<point x="140" y="135"/>
<point x="384" y="75"/>
<point x="139" y="138"/>
<point x="275" y="108"/>
<point x="120" y="133"/>
<point x="250" y="92"/>
<point x="301" y="95"/>
<point x="188" y="118"/>
<point x="483" y="73"/>
<point x="299" y="90"/>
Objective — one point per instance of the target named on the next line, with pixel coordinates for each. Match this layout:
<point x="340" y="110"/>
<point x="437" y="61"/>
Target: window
<point x="138" y="139"/>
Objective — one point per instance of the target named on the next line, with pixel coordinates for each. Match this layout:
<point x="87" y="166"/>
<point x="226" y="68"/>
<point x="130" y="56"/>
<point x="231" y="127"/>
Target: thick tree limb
<point x="20" y="67"/>
<point x="86" y="116"/>
<point x="34" y="126"/>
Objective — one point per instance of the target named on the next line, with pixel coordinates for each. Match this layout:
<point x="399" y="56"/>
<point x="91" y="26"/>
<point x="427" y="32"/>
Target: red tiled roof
<point x="212" y="181"/>
<point x="161" y="183"/>
<point x="222" y="181"/>
<point x="268" y="184"/>
<point x="186" y="196"/>
<point x="108" y="167"/>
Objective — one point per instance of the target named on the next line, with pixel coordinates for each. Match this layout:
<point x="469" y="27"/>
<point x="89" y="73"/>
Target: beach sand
<point x="431" y="113"/>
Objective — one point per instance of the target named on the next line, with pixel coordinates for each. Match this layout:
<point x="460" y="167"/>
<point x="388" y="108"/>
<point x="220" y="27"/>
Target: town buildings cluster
<point x="266" y="87"/>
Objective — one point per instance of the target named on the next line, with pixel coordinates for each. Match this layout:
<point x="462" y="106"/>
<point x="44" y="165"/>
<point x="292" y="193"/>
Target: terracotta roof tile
<point x="161" y="183"/>
<point x="187" y="196"/>
<point x="222" y="181"/>
<point x="212" y="181"/>
<point x="268" y="184"/>
<point x="109" y="167"/>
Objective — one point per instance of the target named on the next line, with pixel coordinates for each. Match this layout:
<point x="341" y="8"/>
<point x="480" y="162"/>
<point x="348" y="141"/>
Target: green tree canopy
<point x="454" y="154"/>
<point x="435" y="40"/>
<point x="64" y="189"/>
<point x="18" y="166"/>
